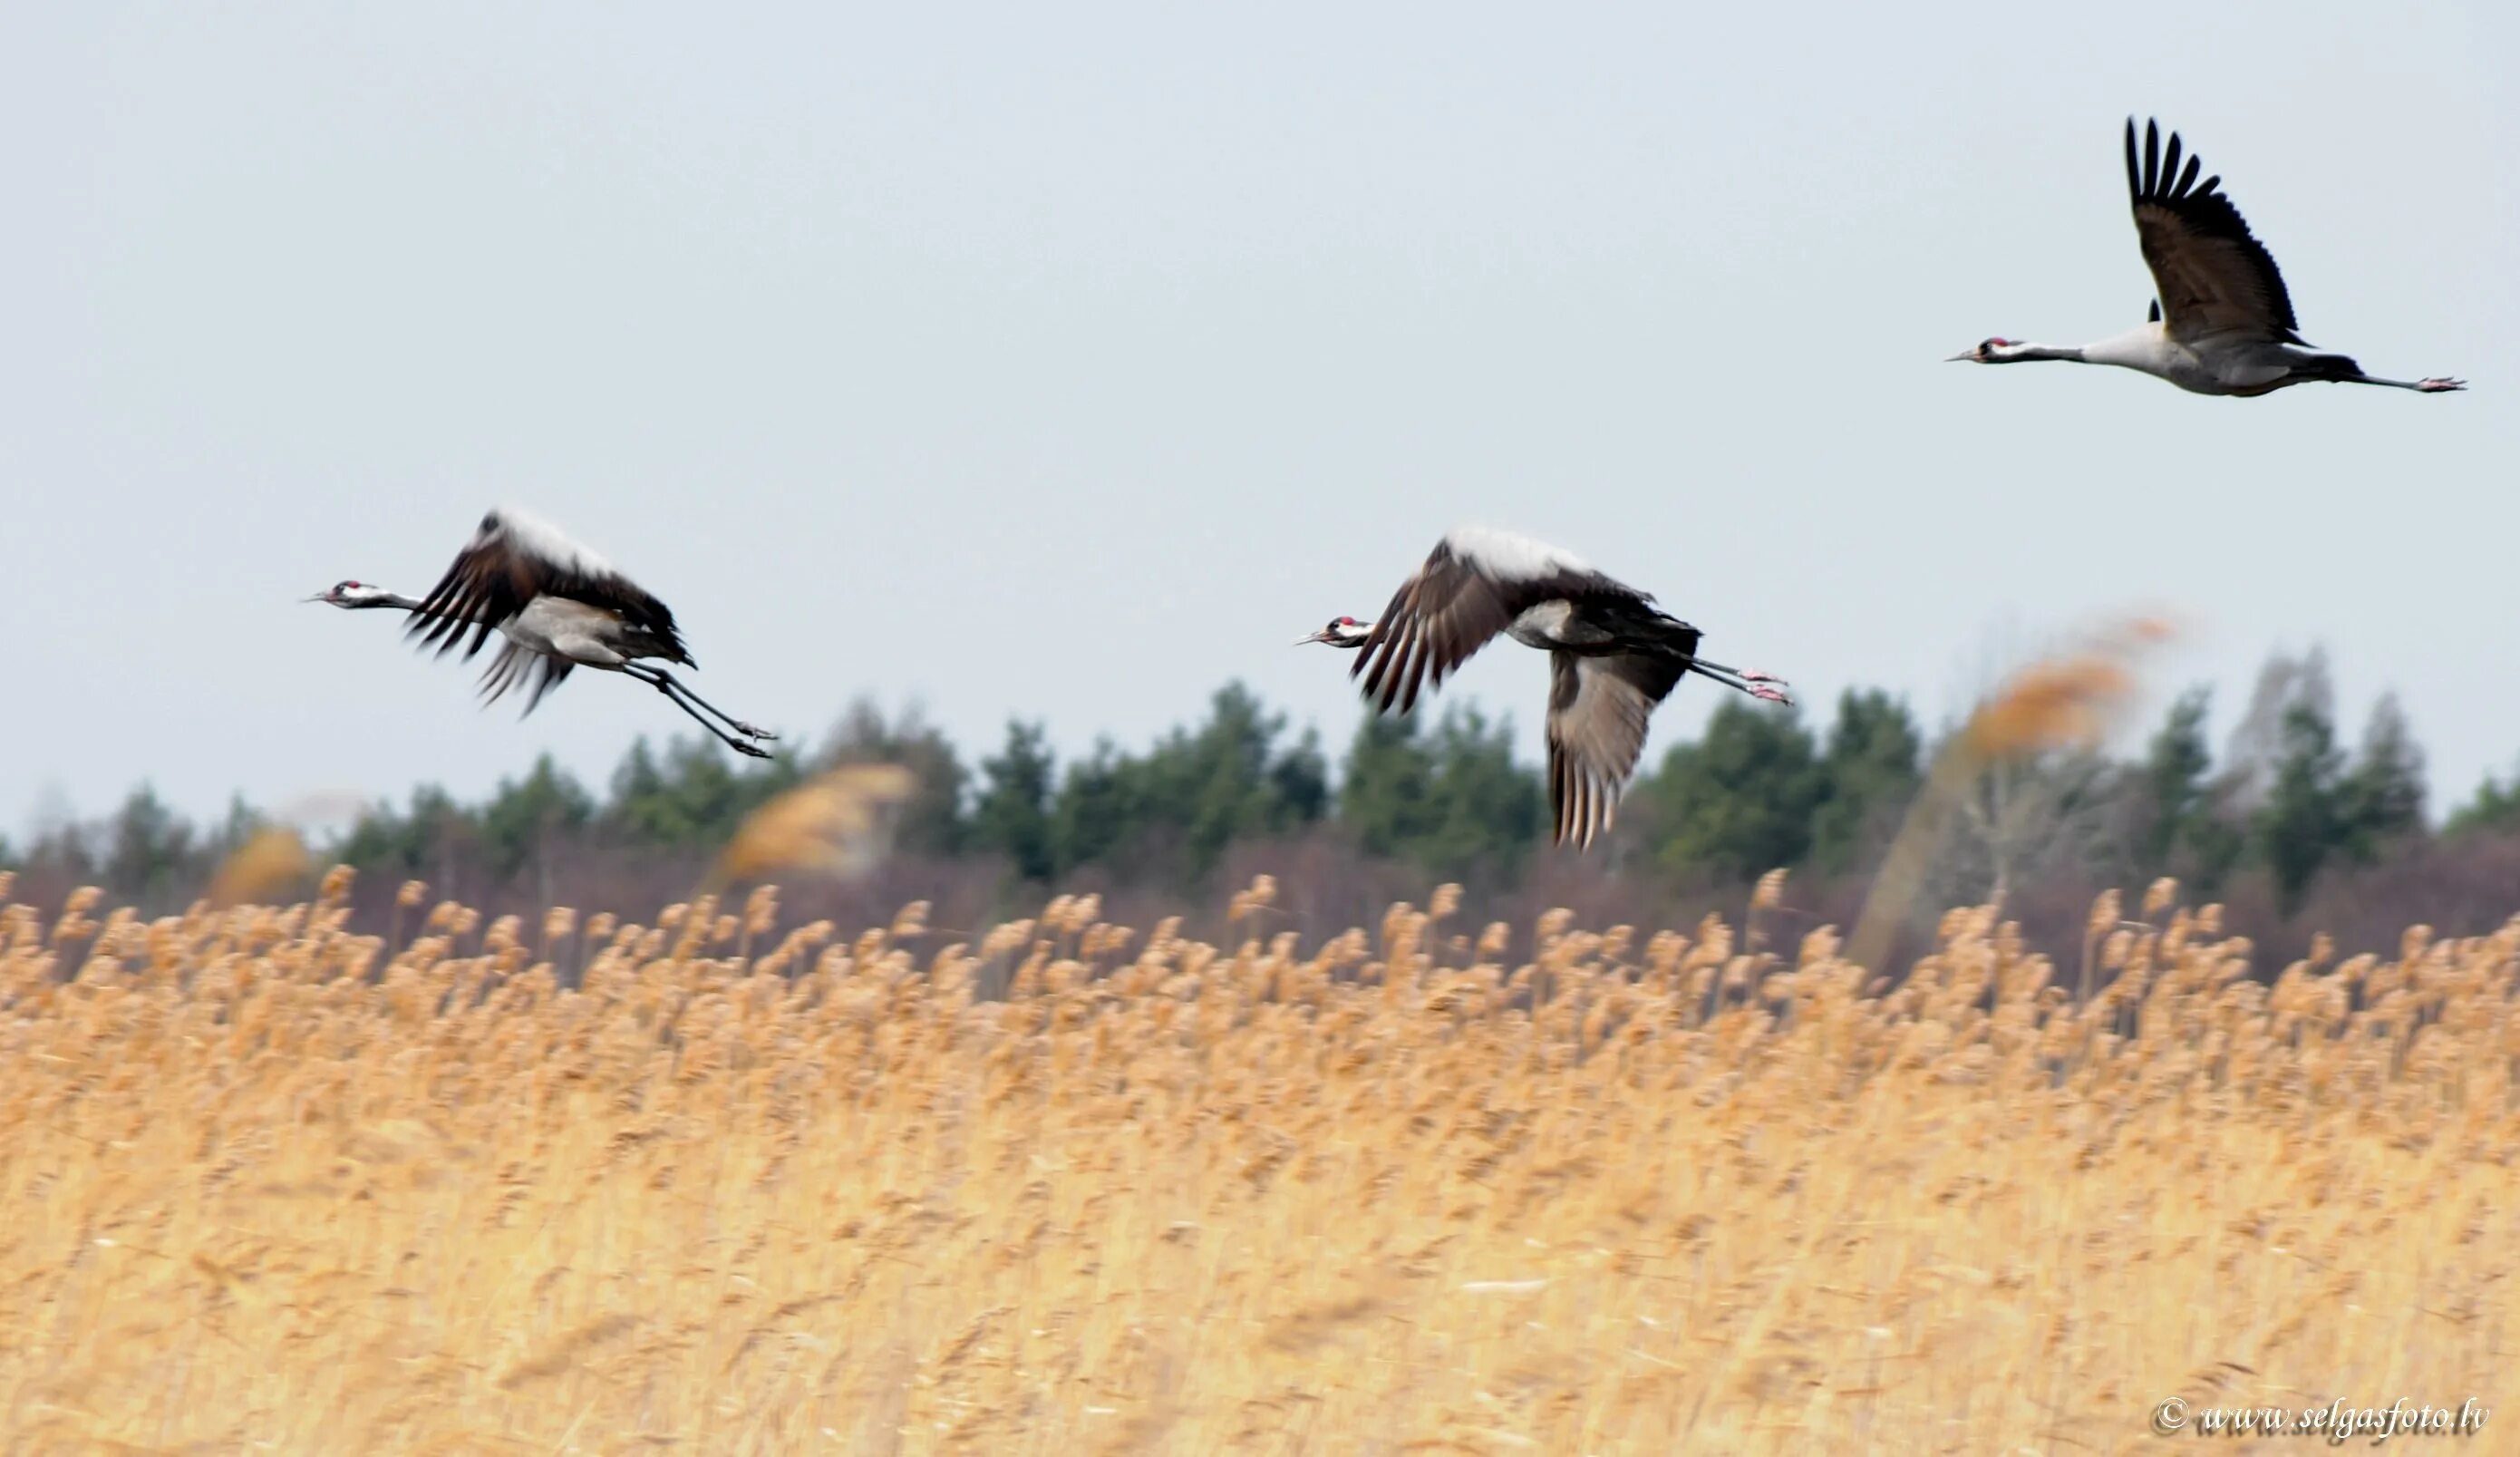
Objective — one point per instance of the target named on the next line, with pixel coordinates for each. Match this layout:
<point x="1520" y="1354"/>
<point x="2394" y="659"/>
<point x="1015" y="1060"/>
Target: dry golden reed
<point x="271" y="1184"/>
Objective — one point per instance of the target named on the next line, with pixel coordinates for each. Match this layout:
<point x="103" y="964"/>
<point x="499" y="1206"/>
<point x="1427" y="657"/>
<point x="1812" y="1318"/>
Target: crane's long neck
<point x="2017" y="353"/>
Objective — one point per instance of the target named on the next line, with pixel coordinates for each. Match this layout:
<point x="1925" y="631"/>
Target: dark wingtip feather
<point x="1383" y="687"/>
<point x="431" y="631"/>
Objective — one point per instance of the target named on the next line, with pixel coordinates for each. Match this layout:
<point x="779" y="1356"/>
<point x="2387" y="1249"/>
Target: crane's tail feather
<point x="2338" y="368"/>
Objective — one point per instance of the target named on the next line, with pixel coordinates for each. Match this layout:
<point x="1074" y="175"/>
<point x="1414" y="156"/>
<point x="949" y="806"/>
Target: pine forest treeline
<point x="2294" y="823"/>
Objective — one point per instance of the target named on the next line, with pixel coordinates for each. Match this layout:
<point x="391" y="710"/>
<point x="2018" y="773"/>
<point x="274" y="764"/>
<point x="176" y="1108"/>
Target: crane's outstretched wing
<point x="2216" y="278"/>
<point x="1474" y="585"/>
<point x="518" y="665"/>
<point x="515" y="558"/>
<point x="1598" y="707"/>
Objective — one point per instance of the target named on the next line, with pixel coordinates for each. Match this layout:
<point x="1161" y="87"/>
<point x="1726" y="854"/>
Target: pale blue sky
<point x="1069" y="360"/>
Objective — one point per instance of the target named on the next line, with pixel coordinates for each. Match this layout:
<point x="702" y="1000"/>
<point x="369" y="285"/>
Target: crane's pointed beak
<point x="1965" y="356"/>
<point x="318" y="597"/>
<point x="1313" y="637"/>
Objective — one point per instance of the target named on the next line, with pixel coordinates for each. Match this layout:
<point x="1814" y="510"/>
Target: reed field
<point x="275" y="1182"/>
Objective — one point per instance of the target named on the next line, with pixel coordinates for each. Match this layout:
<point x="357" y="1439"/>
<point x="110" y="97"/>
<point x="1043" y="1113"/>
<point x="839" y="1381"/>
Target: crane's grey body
<point x="588" y="636"/>
<point x="1554" y="624"/>
<point x="1600" y="625"/>
<point x="2224" y="367"/>
<point x="2222" y="321"/>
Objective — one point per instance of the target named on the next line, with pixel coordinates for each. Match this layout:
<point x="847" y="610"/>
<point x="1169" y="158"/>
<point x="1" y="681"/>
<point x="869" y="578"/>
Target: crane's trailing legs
<point x="693" y="704"/>
<point x="2343" y="370"/>
<point x="1747" y="680"/>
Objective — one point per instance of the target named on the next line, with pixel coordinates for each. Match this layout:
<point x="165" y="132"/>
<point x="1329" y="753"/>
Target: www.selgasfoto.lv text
<point x="2337" y="1421"/>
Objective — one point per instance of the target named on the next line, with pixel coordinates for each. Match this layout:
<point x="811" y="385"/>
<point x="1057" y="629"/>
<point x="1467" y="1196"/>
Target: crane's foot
<point x="2438" y="384"/>
<point x="1753" y="675"/>
<point x="1769" y="695"/>
<point x="747" y="748"/>
<point x="749" y="732"/>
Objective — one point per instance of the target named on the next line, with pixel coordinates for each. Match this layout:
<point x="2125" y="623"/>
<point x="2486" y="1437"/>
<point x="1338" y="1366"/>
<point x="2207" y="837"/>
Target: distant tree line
<point x="2286" y="805"/>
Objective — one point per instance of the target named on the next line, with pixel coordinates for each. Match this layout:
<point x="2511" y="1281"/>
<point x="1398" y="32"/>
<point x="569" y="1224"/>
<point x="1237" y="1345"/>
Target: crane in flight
<point x="560" y="607"/>
<point x="2222" y="322"/>
<point x="1613" y="656"/>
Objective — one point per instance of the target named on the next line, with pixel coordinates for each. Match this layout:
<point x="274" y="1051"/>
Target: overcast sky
<point x="1070" y="360"/>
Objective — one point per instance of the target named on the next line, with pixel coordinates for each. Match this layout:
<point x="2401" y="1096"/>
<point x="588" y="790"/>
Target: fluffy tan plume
<point x="834" y="823"/>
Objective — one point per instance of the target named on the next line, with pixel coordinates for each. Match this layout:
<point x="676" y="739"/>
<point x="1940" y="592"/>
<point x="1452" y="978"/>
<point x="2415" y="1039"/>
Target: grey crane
<point x="1613" y="656"/>
<point x="560" y="607"/>
<point x="2222" y="322"/>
